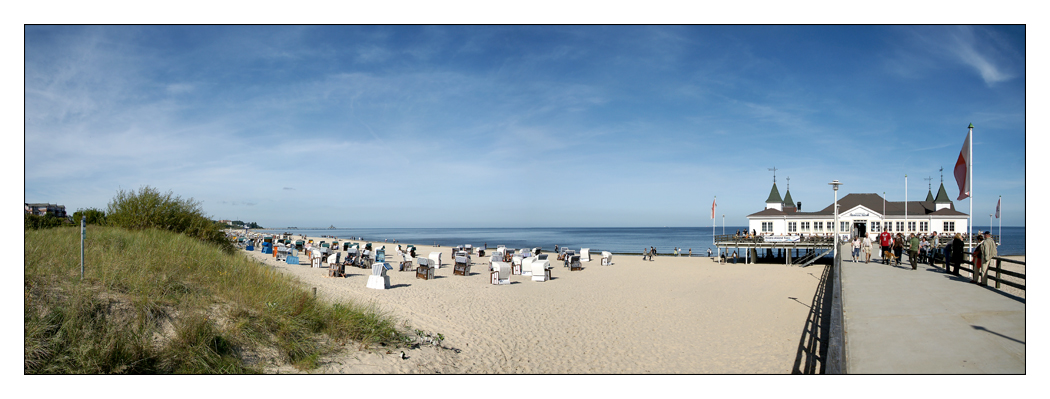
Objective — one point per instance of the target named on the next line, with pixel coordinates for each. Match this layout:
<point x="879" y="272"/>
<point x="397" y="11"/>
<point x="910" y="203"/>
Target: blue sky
<point x="519" y="126"/>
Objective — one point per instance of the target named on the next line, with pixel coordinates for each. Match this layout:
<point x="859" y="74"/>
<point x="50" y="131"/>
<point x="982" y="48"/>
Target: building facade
<point x="859" y="214"/>
<point x="44" y="209"/>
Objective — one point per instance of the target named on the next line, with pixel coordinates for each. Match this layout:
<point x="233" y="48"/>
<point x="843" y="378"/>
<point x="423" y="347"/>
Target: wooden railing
<point x="735" y="239"/>
<point x="999" y="271"/>
<point x="836" y="360"/>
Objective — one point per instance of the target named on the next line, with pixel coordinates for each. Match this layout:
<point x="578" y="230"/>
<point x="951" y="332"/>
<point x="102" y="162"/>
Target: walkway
<point x="904" y="321"/>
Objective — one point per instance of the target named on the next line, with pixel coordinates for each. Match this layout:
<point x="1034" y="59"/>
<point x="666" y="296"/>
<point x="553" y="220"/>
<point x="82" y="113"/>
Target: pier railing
<point x="836" y="360"/>
<point x="735" y="239"/>
<point x="996" y="267"/>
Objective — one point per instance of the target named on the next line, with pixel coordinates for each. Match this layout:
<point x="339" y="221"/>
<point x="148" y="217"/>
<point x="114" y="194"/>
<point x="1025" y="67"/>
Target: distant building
<point x="859" y="214"/>
<point x="225" y="221"/>
<point x="44" y="209"/>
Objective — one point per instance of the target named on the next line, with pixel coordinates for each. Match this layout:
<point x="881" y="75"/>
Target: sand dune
<point x="671" y="315"/>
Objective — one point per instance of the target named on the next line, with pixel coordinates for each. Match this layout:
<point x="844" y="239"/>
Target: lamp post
<point x="835" y="184"/>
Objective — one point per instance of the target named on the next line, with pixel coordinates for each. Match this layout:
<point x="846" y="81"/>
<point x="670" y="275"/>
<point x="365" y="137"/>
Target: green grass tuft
<point x="154" y="301"/>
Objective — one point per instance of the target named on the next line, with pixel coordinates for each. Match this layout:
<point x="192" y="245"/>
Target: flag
<point x="713" y="207"/>
<point x="997" y="205"/>
<point x="962" y="170"/>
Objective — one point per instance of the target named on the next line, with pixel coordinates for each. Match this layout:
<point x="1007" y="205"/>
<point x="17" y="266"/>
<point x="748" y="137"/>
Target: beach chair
<point x="500" y="273"/>
<point x="515" y="263"/>
<point x="567" y="257"/>
<point x="526" y="266"/>
<point x="606" y="258"/>
<point x="315" y="258"/>
<point x="462" y="266"/>
<point x="541" y="268"/>
<point x="406" y="262"/>
<point x="366" y="259"/>
<point x="335" y="269"/>
<point x="424" y="271"/>
<point x="585" y="255"/>
<point x="379" y="280"/>
<point x="574" y="263"/>
<point x="435" y="260"/>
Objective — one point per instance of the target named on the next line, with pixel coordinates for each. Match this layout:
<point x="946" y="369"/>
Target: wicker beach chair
<point x="574" y="263"/>
<point x="424" y="271"/>
<point x="606" y="258"/>
<point x="500" y="273"/>
<point x="462" y="266"/>
<point x="435" y="260"/>
<point x="541" y="268"/>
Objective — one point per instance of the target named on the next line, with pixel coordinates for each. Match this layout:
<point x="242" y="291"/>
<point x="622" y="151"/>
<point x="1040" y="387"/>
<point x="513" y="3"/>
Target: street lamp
<point x="835" y="184"/>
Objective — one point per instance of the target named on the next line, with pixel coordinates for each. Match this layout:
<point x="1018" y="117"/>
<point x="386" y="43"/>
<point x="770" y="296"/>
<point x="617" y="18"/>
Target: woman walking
<point x="957" y="253"/>
<point x="898" y="247"/>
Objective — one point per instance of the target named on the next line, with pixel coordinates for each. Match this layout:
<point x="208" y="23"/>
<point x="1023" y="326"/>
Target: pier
<point x="793" y="250"/>
<point x="895" y="320"/>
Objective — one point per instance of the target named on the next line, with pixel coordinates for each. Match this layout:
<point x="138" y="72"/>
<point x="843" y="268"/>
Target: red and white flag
<point x="713" y="207"/>
<point x="997" y="205"/>
<point x="962" y="170"/>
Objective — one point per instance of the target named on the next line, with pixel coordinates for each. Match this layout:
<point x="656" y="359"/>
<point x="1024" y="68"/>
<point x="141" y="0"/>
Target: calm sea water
<point x="612" y="239"/>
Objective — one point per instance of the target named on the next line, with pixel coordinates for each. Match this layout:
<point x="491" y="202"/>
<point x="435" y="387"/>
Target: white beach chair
<point x="515" y="264"/>
<point x="424" y="270"/>
<point x="585" y="255"/>
<point x="606" y="258"/>
<point x="541" y="268"/>
<point x="500" y="273"/>
<point x="315" y="258"/>
<point x="574" y="263"/>
<point x="379" y="280"/>
<point x="462" y="266"/>
<point x="526" y="266"/>
<point x="435" y="260"/>
<point x="406" y="262"/>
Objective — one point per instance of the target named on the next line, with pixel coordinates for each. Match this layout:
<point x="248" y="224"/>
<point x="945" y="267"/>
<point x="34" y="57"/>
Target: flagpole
<point x="999" y="215"/>
<point x="713" y="221"/>
<point x="969" y="174"/>
<point x="905" y="202"/>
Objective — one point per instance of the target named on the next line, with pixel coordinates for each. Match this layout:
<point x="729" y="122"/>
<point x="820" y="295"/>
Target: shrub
<point x="148" y="208"/>
<point x="91" y="215"/>
<point x="42" y="222"/>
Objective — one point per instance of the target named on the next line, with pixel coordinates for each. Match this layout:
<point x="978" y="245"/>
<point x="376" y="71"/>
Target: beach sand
<point x="670" y="315"/>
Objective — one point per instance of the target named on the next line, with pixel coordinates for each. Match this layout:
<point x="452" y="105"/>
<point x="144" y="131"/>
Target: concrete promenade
<point x="904" y="321"/>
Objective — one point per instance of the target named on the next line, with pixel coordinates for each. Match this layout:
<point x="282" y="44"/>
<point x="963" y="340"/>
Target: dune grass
<point x="155" y="301"/>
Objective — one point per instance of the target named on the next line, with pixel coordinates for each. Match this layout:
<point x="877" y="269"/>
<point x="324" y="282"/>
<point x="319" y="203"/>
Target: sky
<point x="520" y="126"/>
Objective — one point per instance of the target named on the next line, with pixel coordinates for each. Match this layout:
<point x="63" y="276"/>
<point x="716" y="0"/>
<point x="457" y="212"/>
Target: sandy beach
<point x="670" y="315"/>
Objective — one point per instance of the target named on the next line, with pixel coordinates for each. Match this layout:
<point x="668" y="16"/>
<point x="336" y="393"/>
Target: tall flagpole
<point x="969" y="174"/>
<point x="999" y="215"/>
<point x="906" y="203"/>
<point x="713" y="221"/>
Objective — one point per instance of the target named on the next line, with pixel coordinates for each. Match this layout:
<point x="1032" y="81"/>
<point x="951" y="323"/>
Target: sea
<point x="619" y="240"/>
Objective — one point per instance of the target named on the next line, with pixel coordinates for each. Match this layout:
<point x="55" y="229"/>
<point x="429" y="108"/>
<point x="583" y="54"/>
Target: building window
<point x="911" y="226"/>
<point x="900" y="226"/>
<point x="949" y="227"/>
<point x="924" y="226"/>
<point x="818" y="226"/>
<point x="875" y="226"/>
<point x="805" y="226"/>
<point x="792" y="227"/>
<point x="767" y="227"/>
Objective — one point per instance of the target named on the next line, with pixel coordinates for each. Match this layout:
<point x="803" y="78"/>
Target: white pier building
<point x="859" y="214"/>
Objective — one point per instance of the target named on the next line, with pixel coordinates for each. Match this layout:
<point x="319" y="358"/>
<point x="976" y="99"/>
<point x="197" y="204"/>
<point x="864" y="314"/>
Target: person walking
<point x="866" y="245"/>
<point x="652" y="253"/>
<point x="884" y="241"/>
<point x="913" y="250"/>
<point x="898" y="247"/>
<point x="957" y="253"/>
<point x="976" y="260"/>
<point x="645" y="253"/>
<point x="555" y="249"/>
<point x="988" y="251"/>
<point x="856" y="249"/>
<point x="709" y="252"/>
<point x="690" y="252"/>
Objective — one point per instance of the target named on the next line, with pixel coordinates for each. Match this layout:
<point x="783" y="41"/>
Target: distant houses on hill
<point x="46" y="209"/>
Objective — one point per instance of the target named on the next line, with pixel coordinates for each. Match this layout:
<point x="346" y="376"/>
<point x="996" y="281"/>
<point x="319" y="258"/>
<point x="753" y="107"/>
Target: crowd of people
<point x="922" y="248"/>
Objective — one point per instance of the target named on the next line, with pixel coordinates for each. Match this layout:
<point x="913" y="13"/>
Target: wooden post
<point x="998" y="278"/>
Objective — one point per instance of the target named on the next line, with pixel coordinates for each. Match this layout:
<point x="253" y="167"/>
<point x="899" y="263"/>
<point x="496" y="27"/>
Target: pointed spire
<point x="929" y="196"/>
<point x="774" y="195"/>
<point x="942" y="196"/>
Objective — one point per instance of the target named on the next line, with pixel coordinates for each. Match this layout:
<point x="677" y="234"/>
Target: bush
<point x="91" y="215"/>
<point x="148" y="208"/>
<point x="33" y="222"/>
